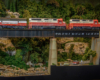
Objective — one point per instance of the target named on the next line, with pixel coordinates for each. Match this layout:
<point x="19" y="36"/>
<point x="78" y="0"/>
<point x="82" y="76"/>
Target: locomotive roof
<point x="44" y="18"/>
<point x="81" y="19"/>
<point x="12" y="18"/>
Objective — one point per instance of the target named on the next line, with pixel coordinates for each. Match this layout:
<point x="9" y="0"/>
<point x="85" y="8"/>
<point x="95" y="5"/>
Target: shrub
<point x="87" y="54"/>
<point x="3" y="54"/>
<point x="18" y="54"/>
<point x="53" y="64"/>
<point x="76" y="56"/>
<point x="90" y="63"/>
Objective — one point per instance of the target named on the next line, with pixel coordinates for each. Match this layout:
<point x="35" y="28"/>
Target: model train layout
<point x="48" y="23"/>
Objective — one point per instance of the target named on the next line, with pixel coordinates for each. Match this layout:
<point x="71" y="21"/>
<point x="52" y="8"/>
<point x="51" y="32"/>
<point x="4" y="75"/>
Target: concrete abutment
<point x="95" y="46"/>
<point x="52" y="54"/>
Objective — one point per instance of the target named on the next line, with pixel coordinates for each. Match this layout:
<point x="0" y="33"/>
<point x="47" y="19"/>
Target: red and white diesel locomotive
<point x="34" y="23"/>
<point x="48" y="23"/>
<point x="84" y="24"/>
<point x="13" y="23"/>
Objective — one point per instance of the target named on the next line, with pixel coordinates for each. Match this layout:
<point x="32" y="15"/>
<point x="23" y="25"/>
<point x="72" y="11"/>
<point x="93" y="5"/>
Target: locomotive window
<point x="60" y="22"/>
<point x="95" y="22"/>
<point x="83" y="20"/>
<point x="75" y="20"/>
<point x="45" y="19"/>
<point x="54" y="19"/>
<point x="36" y="19"/>
<point x="90" y="20"/>
<point x="52" y="26"/>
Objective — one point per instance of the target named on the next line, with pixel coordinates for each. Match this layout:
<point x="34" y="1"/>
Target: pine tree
<point x="8" y="4"/>
<point x="13" y="6"/>
<point x="16" y="5"/>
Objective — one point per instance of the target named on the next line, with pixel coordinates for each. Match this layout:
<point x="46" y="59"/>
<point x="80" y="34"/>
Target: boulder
<point x="29" y="63"/>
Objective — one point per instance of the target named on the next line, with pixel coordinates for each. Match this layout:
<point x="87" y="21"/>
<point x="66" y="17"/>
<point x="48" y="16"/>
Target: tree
<point x="16" y="5"/>
<point x="18" y="54"/>
<point x="3" y="54"/>
<point x="45" y="53"/>
<point x="10" y="49"/>
<point x="87" y="54"/>
<point x="34" y="57"/>
<point x="1" y="45"/>
<point x="25" y="50"/>
<point x="13" y="6"/>
<point x="53" y="3"/>
<point x="12" y="16"/>
<point x="76" y="17"/>
<point x="80" y="10"/>
<point x="70" y="51"/>
<point x="89" y="7"/>
<point x="26" y="14"/>
<point x="0" y="6"/>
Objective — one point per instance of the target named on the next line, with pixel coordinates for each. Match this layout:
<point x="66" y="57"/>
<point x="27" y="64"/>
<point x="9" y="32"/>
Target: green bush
<point x="90" y="63"/>
<point x="63" y="46"/>
<point x="53" y="64"/>
<point x="10" y="60"/>
<point x="18" y="54"/>
<point x="76" y="56"/>
<point x="36" y="66"/>
<point x="61" y="56"/>
<point x="87" y="54"/>
<point x="3" y="54"/>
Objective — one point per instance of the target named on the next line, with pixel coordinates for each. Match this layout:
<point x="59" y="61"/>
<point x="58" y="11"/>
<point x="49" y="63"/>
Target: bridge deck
<point x="48" y="33"/>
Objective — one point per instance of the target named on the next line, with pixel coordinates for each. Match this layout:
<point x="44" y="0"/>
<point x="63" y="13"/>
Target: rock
<point x="29" y="63"/>
<point x="79" y="47"/>
<point x="16" y="14"/>
<point x="1" y="64"/>
<point x="31" y="69"/>
<point x="37" y="69"/>
<point x="64" y="40"/>
<point x="41" y="64"/>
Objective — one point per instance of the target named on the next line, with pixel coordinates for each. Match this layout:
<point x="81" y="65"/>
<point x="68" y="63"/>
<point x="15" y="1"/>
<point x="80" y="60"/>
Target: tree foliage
<point x="34" y="57"/>
<point x="26" y="14"/>
<point x="53" y="9"/>
<point x="87" y="54"/>
<point x="18" y="54"/>
<point x="70" y="51"/>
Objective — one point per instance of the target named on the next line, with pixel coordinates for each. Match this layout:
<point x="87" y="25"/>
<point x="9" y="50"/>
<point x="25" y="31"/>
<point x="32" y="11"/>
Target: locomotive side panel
<point x="45" y="23"/>
<point x="13" y="23"/>
<point x="83" y="24"/>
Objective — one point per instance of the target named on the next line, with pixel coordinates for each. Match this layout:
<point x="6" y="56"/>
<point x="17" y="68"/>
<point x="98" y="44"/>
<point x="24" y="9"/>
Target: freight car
<point x="81" y="24"/>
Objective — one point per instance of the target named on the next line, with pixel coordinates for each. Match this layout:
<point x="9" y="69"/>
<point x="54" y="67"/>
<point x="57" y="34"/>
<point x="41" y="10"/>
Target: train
<point x="84" y="24"/>
<point x="48" y="23"/>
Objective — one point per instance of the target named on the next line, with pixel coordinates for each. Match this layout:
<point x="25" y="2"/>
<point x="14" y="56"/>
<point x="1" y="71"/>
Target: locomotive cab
<point x="95" y="21"/>
<point x="60" y="21"/>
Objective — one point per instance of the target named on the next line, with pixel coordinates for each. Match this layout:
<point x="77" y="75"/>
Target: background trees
<point x="65" y="9"/>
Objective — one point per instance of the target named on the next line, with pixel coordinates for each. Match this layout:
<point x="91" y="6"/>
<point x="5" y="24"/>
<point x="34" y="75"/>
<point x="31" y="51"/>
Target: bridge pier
<point x="52" y="54"/>
<point x="95" y="46"/>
